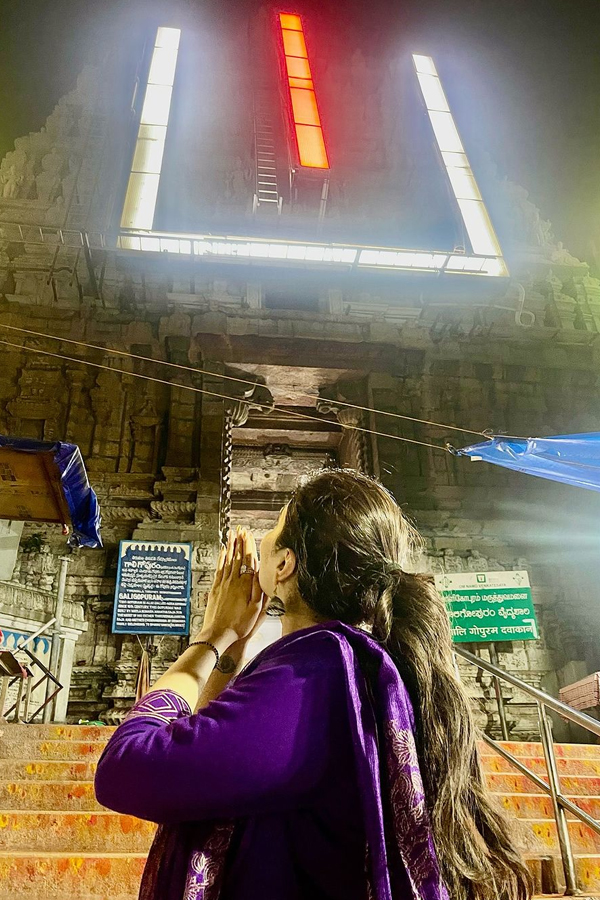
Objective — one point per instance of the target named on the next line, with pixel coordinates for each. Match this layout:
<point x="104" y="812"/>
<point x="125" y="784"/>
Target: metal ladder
<point x="266" y="196"/>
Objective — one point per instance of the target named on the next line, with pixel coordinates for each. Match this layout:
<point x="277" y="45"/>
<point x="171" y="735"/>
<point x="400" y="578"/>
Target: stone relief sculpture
<point x="17" y="171"/>
<point x="145" y="426"/>
<point x="49" y="180"/>
<point x="107" y="402"/>
<point x="11" y="182"/>
<point x="35" y="411"/>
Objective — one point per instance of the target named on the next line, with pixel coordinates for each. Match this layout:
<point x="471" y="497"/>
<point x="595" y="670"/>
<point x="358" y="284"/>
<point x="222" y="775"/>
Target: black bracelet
<point x="212" y="647"/>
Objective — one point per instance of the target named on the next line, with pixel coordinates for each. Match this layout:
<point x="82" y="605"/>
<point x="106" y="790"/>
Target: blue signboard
<point x="152" y="595"/>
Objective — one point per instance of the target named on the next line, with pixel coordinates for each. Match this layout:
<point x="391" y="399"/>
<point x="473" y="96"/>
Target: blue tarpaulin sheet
<point x="568" y="458"/>
<point x="81" y="499"/>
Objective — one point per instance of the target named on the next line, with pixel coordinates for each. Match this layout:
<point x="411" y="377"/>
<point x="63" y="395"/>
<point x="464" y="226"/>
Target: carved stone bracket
<point x="352" y="450"/>
<point x="124" y="514"/>
<point x="326" y="406"/>
<point x="251" y="396"/>
<point x="174" y="510"/>
<point x="101" y="609"/>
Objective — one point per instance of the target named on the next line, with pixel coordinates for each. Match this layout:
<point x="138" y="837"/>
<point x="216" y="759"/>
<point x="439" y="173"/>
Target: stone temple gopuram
<point x="296" y="227"/>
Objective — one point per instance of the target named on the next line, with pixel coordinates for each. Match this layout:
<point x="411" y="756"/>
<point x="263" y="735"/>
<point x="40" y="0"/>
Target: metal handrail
<point x="47" y="676"/>
<point x="560" y="803"/>
<point x="37" y="633"/>
<point x="550" y="702"/>
<point x="50" y="235"/>
<point x="74" y="241"/>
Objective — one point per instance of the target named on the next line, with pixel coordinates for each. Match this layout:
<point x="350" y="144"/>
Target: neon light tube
<point x="281" y="252"/>
<point x="303" y="100"/>
<point x="144" y="178"/>
<point x="462" y="181"/>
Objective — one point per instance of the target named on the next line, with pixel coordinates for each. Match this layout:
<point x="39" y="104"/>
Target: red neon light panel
<point x="303" y="100"/>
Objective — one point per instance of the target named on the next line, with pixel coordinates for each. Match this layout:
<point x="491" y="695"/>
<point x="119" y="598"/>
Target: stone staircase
<point x="57" y="842"/>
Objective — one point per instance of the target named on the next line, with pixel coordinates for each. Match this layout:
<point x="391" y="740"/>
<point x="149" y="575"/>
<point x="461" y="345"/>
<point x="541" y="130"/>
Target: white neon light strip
<point x="472" y="208"/>
<point x="144" y="178"/>
<point x="249" y="249"/>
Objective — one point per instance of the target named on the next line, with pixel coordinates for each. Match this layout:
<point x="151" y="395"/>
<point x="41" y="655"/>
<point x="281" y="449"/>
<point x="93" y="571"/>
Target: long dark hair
<point x="352" y="544"/>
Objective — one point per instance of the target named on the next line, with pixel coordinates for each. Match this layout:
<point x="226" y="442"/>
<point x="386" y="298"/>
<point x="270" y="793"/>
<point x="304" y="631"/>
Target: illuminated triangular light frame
<point x="137" y="219"/>
<point x="473" y="211"/>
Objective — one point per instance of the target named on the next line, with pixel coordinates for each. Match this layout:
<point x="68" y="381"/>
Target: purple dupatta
<point x="187" y="861"/>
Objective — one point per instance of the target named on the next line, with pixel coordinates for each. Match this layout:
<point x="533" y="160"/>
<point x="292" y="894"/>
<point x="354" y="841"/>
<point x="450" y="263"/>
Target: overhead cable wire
<point x="196" y="390"/>
<point x="199" y="371"/>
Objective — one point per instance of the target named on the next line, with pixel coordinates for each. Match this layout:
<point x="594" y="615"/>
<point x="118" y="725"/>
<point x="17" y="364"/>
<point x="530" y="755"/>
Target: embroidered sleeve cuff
<point x="162" y="705"/>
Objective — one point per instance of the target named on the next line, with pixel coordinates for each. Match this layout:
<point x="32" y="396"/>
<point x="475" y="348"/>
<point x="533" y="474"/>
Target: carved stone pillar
<point x="235" y="414"/>
<point x="353" y="445"/>
<point x="214" y="429"/>
<point x="252" y="396"/>
<point x="122" y="692"/>
<point x="79" y="418"/>
<point x="184" y="404"/>
<point x="352" y="449"/>
<point x="108" y="412"/>
<point x="87" y="699"/>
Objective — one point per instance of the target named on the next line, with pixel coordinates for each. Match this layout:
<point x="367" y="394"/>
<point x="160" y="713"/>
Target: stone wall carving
<point x="173" y="510"/>
<point x="124" y="514"/>
<point x="146" y="426"/>
<point x="23" y="600"/>
<point x="37" y="411"/>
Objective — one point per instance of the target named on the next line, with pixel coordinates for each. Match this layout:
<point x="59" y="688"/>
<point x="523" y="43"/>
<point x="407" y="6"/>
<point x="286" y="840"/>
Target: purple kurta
<point x="299" y="781"/>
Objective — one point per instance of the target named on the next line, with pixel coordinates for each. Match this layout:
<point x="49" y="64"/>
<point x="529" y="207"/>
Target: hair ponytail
<point x="351" y="543"/>
<point x="473" y="838"/>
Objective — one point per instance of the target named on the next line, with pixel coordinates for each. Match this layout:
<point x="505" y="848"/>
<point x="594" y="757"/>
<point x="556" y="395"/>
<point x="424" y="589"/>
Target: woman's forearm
<point x="188" y="676"/>
<point x="230" y="664"/>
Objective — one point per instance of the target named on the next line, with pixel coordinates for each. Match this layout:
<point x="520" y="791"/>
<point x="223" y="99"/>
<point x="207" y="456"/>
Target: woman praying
<point x="341" y="762"/>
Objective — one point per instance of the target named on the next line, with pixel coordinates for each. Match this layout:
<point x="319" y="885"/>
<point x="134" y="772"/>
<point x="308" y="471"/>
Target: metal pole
<point x="456" y="668"/>
<point x="323" y="202"/>
<point x="90" y="266"/>
<point x="149" y="649"/>
<point x="3" y="692"/>
<point x="56" y="633"/>
<point x="498" y="691"/>
<point x="560" y="816"/>
<point x="17" y="716"/>
<point x="27" y="698"/>
<point x="37" y="633"/>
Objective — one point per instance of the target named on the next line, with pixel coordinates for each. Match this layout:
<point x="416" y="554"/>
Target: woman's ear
<point x="286" y="566"/>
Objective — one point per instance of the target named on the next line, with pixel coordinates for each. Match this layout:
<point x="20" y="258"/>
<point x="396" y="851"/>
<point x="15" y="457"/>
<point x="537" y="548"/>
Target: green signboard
<point x="489" y="606"/>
